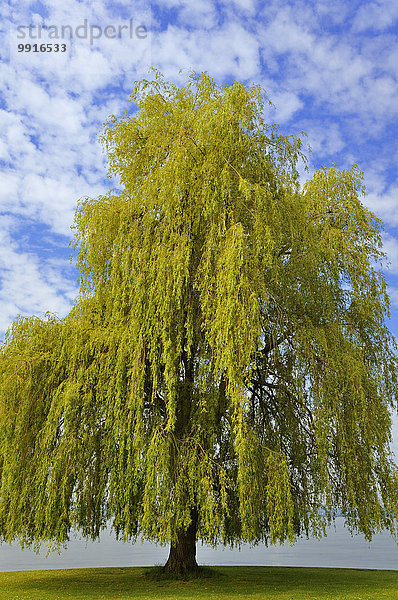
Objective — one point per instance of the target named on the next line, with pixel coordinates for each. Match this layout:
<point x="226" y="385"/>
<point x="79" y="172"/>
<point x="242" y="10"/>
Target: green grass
<point x="228" y="583"/>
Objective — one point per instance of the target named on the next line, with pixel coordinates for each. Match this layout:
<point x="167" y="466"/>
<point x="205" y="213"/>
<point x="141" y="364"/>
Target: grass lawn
<point x="229" y="583"/>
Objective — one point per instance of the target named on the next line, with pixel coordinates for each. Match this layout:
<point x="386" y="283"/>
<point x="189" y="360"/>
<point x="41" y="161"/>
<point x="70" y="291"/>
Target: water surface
<point x="338" y="549"/>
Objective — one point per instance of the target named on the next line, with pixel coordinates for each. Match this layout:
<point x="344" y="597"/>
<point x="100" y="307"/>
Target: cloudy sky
<point x="330" y="69"/>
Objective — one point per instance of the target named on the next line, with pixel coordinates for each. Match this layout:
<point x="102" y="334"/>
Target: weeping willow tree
<point x="226" y="373"/>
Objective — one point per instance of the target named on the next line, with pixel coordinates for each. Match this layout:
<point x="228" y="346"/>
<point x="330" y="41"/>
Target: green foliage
<point x="228" y="349"/>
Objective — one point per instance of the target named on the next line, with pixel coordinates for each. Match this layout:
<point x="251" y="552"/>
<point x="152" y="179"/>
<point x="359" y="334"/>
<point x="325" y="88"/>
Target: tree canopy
<point x="226" y="365"/>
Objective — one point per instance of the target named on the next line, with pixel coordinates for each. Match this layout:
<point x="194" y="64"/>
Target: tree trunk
<point x="182" y="557"/>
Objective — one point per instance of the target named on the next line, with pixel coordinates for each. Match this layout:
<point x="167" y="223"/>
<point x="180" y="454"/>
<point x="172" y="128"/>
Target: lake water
<point x="338" y="549"/>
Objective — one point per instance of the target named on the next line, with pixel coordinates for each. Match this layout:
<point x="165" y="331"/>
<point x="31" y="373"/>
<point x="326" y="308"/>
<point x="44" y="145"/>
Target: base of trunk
<point x="182" y="557"/>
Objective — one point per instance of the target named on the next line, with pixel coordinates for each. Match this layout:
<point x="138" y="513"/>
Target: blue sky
<point x="330" y="69"/>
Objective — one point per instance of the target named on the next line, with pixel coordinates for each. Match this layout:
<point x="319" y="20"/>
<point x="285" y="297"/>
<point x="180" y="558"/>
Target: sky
<point x="329" y="68"/>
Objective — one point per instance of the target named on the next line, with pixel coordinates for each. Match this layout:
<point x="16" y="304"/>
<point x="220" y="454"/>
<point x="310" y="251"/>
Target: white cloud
<point x="325" y="140"/>
<point x="390" y="247"/>
<point x="384" y="204"/>
<point x="336" y="12"/>
<point x="236" y="51"/>
<point x="284" y="34"/>
<point x="53" y="200"/>
<point x="247" y="7"/>
<point x="286" y="104"/>
<point x="201" y="13"/>
<point x="376" y="15"/>
<point x="393" y="295"/>
<point x="340" y="72"/>
<point x="8" y="190"/>
<point x="29" y="284"/>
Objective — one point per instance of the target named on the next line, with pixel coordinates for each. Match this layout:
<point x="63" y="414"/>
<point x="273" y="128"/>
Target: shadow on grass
<point x="157" y="573"/>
